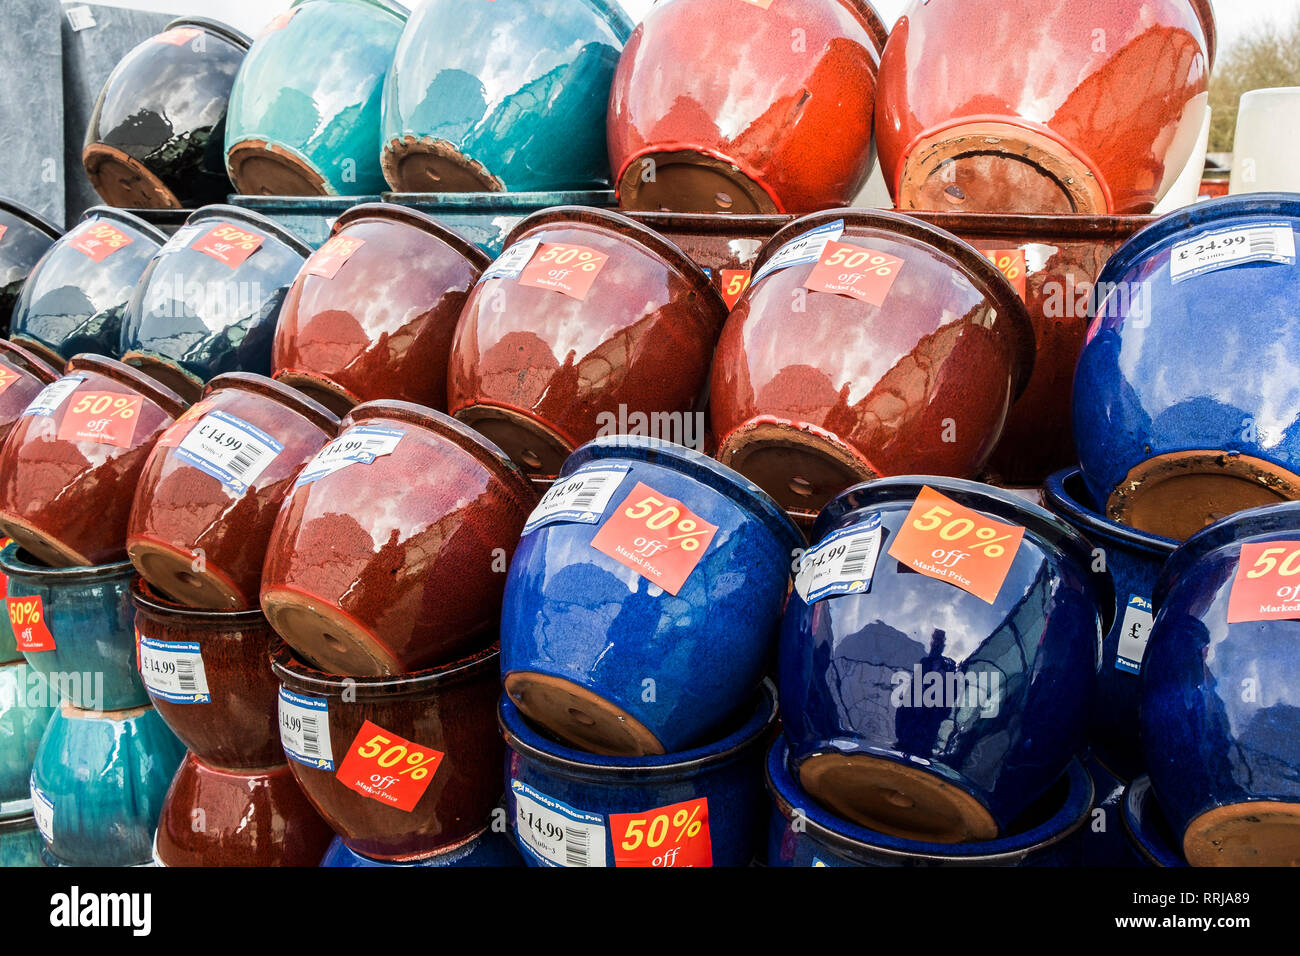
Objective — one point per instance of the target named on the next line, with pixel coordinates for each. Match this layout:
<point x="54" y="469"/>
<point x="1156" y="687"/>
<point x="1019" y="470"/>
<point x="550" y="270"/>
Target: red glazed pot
<point x="441" y="720"/>
<point x="22" y="376"/>
<point x="726" y="106"/>
<point x="236" y="726"/>
<point x="1068" y="106"/>
<point x="541" y="372"/>
<point x="214" y="817"/>
<point x="814" y="391"/>
<point x="213" y="486"/>
<point x="371" y="315"/>
<point x="396" y="564"/>
<point x="69" y="469"/>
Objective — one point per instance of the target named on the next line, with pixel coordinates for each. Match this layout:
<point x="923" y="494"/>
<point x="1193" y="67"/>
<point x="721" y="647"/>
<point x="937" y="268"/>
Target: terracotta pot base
<point x="1260" y="833"/>
<point x="124" y="181"/>
<point x="687" y="181"/>
<point x="172" y="572"/>
<point x="532" y="446"/>
<point x="427" y="165"/>
<point x="800" y="469"/>
<point x="187" y="386"/>
<point x="45" y="549"/>
<point x="55" y="360"/>
<point x="325" y="637"/>
<point x="259" y="169"/>
<point x="338" y="400"/>
<point x="578" y="717"/>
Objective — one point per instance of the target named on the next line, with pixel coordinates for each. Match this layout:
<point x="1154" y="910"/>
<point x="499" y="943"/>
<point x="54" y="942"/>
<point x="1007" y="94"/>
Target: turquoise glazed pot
<point x="310" y="218"/>
<point x="24" y="238"/>
<point x="502" y="95"/>
<point x="487" y="849"/>
<point x="1147" y="829"/>
<point x="26" y="707"/>
<point x="99" y="784"/>
<point x="485" y="219"/>
<point x="304" y="113"/>
<point x="20" y="842"/>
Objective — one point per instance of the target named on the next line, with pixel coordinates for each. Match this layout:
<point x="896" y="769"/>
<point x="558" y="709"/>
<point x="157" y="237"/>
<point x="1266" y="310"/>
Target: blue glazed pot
<point x="25" y="236"/>
<point x="1045" y="835"/>
<point x="194" y="316"/>
<point x="304" y="114"/>
<point x="485" y="219"/>
<point x="487" y="849"/>
<point x="1220" y="712"/>
<point x="73" y="303"/>
<point x="1146" y="828"/>
<point x="26" y="707"/>
<point x="502" y="95"/>
<point x="916" y="708"/>
<point x="309" y="218"/>
<point x="20" y="842"/>
<point x="566" y="807"/>
<point x="1132" y="559"/>
<point x="1170" y="441"/>
<point x="1103" y="839"/>
<point x="101" y="780"/>
<point x="611" y="663"/>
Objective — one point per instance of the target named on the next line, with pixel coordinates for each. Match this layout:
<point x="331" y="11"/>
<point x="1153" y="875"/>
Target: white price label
<point x="842" y="564"/>
<point x="229" y="449"/>
<point x="54" y="395"/>
<point x="305" y="729"/>
<point x="43" y="810"/>
<point x="180" y="239"/>
<point x="173" y="670"/>
<point x="1210" y="251"/>
<point x="1134" y="633"/>
<point x="559" y="834"/>
<point x="803" y="250"/>
<point x="359" y="445"/>
<point x="511" y="262"/>
<point x="582" y="496"/>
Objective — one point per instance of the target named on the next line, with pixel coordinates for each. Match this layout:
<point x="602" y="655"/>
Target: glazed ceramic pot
<point x="911" y="370"/>
<point x="1169" y="439"/>
<point x="70" y="466"/>
<point x="1221" y="691"/>
<point x="971" y="118"/>
<point x="721" y="107"/>
<point x="25" y="236"/>
<point x="401" y="767"/>
<point x="310" y="218"/>
<point x="1103" y="839"/>
<point x="1265" y="142"/>
<point x="502" y="95"/>
<point x="373" y="315"/>
<point x="166" y="221"/>
<point x="642" y="603"/>
<point x="304" y="114"/>
<point x="248" y="819"/>
<point x="1146" y="827"/>
<point x="76" y="295"/>
<point x="1186" y="189"/>
<point x="26" y="706"/>
<point x="157" y="134"/>
<point x="74" y="627"/>
<point x="489" y="849"/>
<point x="20" y="842"/>
<point x="702" y="806"/>
<point x="22" y="377"/>
<point x="485" y="219"/>
<point x="937" y="658"/>
<point x="1046" y="834"/>
<point x="389" y="554"/>
<point x="209" y="677"/>
<point x="209" y="301"/>
<point x="210" y="492"/>
<point x="587" y="324"/>
<point x="99" y="783"/>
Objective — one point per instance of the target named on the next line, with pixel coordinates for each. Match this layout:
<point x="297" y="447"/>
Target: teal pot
<point x="99" y="783"/>
<point x="304" y="112"/>
<point x="25" y="710"/>
<point x="24" y="238"/>
<point x="310" y="218"/>
<point x="502" y="95"/>
<point x="485" y="219"/>
<point x="20" y="842"/>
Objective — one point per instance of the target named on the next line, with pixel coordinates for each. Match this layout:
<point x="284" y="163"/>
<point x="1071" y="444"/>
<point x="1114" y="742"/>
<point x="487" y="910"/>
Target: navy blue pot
<point x="193" y="316"/>
<point x="485" y="219"/>
<point x="20" y="842"/>
<point x="25" y="236"/>
<point x="566" y="800"/>
<point x="1103" y="839"/>
<point x="614" y="664"/>
<point x="1132" y="559"/>
<point x="489" y="848"/>
<point x="1170" y="438"/>
<point x="1220" y="711"/>
<point x="915" y="708"/>
<point x="310" y="218"/>
<point x="73" y="303"/>
<point x="1147" y="829"/>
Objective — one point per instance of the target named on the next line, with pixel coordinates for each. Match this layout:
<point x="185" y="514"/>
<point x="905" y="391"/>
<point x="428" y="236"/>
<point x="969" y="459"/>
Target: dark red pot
<point x="375" y="320"/>
<point x="388" y="567"/>
<point x="66" y="500"/>
<point x="449" y="709"/>
<point x="22" y="376"/>
<point x="213" y="486"/>
<point x="807" y="403"/>
<point x="215" y="817"/>
<point x="541" y="372"/>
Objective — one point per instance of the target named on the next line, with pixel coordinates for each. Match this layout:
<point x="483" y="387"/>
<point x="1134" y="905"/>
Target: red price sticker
<point x="656" y="536"/>
<point x="178" y="37"/>
<point x="734" y="283"/>
<point x="331" y="257"/>
<point x="7" y="377"/>
<point x="99" y="240"/>
<point x="763" y="4"/>
<point x="677" y="835"/>
<point x="864" y="274"/>
<point x="3" y="230"/>
<point x="563" y="268"/>
<point x="1011" y="263"/>
<point x="228" y="244"/>
<point x="1267" y="584"/>
<point x="388" y="768"/>
<point x="103" y="417"/>
<point x="950" y="542"/>
<point x="27" y="615"/>
<point x="279" y="23"/>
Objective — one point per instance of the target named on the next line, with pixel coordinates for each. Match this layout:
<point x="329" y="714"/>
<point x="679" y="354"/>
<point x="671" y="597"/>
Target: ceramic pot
<point x="157" y="134"/>
<point x="311" y="219"/>
<point x="814" y="391"/>
<point x="208" y="675"/>
<point x="1103" y="840"/>
<point x="1186" y="189"/>
<point x="25" y="236"/>
<point x="438" y="720"/>
<point x="1266" y="141"/>
<point x="26" y="706"/>
<point x="20" y="842"/>
<point x="209" y="301"/>
<point x="74" y="627"/>
<point x="373" y="316"/>
<point x="304" y="114"/>
<point x="502" y="95"/>
<point x="698" y="807"/>
<point x="76" y="295"/>
<point x="485" y="219"/>
<point x="763" y="108"/>
<point x="99" y="783"/>
<point x="70" y="466"/>
<point x="642" y="602"/>
<point x="1220" y="692"/>
<point x="210" y="492"/>
<point x="488" y="849"/>
<point x="541" y="370"/>
<point x="22" y="377"/>
<point x="938" y="655"/>
<point x="970" y="118"/>
<point x="1146" y="827"/>
<point x="1168" y="441"/>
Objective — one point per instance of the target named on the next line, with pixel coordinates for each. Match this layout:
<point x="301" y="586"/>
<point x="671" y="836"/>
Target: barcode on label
<point x="843" y="563"/>
<point x="581" y="497"/>
<point x="575" y="847"/>
<point x="855" y="559"/>
<point x="305" y="729"/>
<point x="185" y="675"/>
<point x="555" y="833"/>
<point x="229" y="449"/>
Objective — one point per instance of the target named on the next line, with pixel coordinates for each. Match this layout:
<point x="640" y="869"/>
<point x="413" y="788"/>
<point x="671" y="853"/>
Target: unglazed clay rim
<point x="31" y="217"/>
<point x="28" y="362"/>
<point x="1198" y="839"/>
<point x="1139" y="791"/>
<point x="215" y="27"/>
<point x="282" y="394"/>
<point x="122" y="216"/>
<point x="1058" y="498"/>
<point x="133" y="378"/>
<point x="95" y="154"/>
<point x="534" y="201"/>
<point x="15" y="566"/>
<point x="149" y="602"/>
<point x="301" y="677"/>
<point x="408" y="216"/>
<point x="256" y="219"/>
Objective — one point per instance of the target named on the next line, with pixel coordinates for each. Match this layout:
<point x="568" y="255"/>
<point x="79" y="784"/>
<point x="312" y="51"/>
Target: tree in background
<point x="1262" y="58"/>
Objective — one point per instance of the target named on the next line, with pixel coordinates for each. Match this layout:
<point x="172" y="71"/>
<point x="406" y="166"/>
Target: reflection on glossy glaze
<point x="1146" y="827"/>
<point x="26" y="238"/>
<point x="26" y="706"/>
<point x="489" y="849"/>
